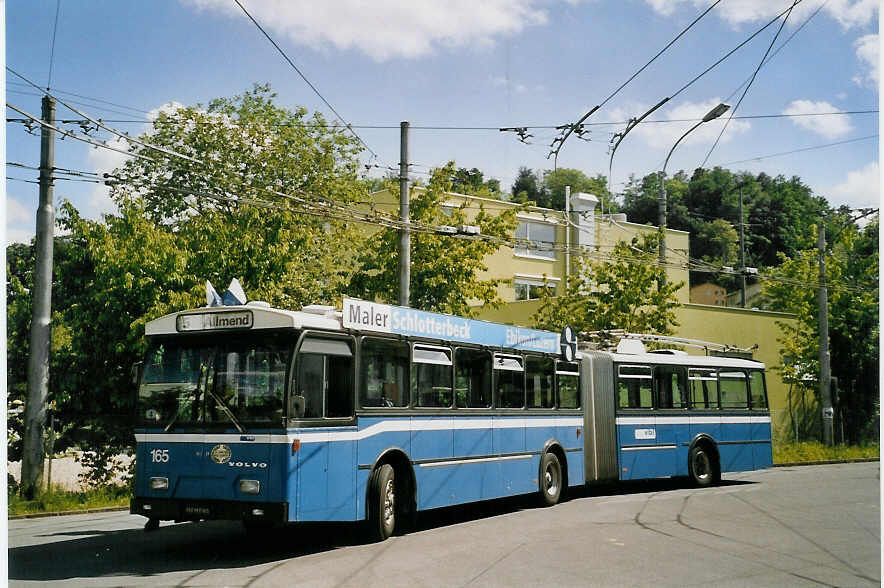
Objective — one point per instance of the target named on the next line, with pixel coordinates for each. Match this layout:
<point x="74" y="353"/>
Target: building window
<point x="542" y="237"/>
<point x="531" y="289"/>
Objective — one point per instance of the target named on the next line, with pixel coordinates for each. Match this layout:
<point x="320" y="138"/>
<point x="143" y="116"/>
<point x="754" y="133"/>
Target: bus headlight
<point x="159" y="483"/>
<point x="250" y="486"/>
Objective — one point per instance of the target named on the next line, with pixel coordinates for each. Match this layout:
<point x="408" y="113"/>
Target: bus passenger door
<point x="326" y="459"/>
<point x="672" y="423"/>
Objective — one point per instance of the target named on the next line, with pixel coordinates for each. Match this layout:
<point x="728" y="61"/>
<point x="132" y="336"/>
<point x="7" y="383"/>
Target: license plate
<point x="197" y="510"/>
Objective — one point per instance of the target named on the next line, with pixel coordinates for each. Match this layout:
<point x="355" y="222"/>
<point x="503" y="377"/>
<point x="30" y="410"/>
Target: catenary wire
<point x="751" y="81"/>
<point x="866" y="138"/>
<point x="777" y="50"/>
<point x="464" y="128"/>
<point x="52" y="43"/>
<point x="589" y="113"/>
<point x="303" y="77"/>
<point x="100" y="124"/>
<point x="731" y="52"/>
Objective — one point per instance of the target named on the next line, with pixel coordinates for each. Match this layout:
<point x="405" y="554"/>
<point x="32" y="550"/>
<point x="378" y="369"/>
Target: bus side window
<point x="431" y="376"/>
<point x="384" y="373"/>
<point x="734" y="388"/>
<point x="324" y="378"/>
<point x="472" y="377"/>
<point x="539" y="380"/>
<point x="634" y="386"/>
<point x="509" y="375"/>
<point x="757" y="394"/>
<point x="567" y="385"/>
<point x="669" y="380"/>
<point x="703" y="388"/>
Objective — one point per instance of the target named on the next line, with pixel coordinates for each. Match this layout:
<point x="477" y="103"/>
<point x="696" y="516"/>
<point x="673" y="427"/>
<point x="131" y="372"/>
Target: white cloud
<point x="830" y="127"/>
<point x="664" y="135"/>
<point x="20" y="222"/>
<point x="862" y="188"/>
<point x="868" y="53"/>
<point x="849" y="13"/>
<point x="387" y="29"/>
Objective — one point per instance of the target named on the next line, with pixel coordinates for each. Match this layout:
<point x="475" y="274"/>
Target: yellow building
<point x="546" y="261"/>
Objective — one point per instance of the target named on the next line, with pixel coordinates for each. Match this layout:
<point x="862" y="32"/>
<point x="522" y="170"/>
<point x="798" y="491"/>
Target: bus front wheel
<point x="382" y="506"/>
<point x="550" y="479"/>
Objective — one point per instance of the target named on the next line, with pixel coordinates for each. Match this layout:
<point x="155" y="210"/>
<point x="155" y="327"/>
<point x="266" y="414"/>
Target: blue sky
<point x="467" y="63"/>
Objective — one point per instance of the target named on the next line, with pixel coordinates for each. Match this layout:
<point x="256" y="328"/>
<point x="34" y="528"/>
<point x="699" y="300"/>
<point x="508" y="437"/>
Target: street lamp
<point x="661" y="208"/>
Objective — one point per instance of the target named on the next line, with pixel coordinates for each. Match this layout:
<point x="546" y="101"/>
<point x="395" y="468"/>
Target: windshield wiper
<point x="223" y="406"/>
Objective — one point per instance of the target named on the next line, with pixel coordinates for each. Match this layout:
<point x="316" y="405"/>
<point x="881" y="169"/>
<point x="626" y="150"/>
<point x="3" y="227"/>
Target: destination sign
<point x="362" y="315"/>
<point x="215" y="321"/>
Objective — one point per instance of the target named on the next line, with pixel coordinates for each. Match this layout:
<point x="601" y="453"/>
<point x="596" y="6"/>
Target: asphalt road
<point x="800" y="526"/>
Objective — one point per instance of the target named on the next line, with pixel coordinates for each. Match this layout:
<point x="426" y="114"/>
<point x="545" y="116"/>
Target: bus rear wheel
<point x="703" y="467"/>
<point x="550" y="479"/>
<point x="382" y="503"/>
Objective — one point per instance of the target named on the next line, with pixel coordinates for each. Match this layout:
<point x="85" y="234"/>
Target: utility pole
<point x="742" y="255"/>
<point x="404" y="233"/>
<point x="661" y="219"/>
<point x="567" y="233"/>
<point x="38" y="360"/>
<point x="825" y="369"/>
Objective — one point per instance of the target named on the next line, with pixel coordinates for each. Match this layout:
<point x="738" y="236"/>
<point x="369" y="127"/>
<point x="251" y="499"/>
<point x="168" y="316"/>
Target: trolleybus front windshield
<point x="187" y="383"/>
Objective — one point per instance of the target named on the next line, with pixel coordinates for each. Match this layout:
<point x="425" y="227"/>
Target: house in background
<point x="711" y="294"/>
<point x="753" y="297"/>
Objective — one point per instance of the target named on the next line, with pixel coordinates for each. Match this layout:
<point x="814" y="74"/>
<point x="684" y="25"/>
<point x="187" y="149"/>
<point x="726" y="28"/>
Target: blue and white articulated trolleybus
<point x="377" y="412"/>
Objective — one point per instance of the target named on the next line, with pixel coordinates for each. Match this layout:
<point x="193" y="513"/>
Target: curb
<point x="40" y="515"/>
<point x="791" y="464"/>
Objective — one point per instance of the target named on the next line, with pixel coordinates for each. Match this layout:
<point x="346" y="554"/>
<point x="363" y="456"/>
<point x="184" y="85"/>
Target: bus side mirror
<point x="133" y="374"/>
<point x="298" y="406"/>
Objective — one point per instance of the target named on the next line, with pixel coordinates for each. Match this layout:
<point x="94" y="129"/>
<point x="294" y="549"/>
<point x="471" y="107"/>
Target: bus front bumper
<point x="173" y="509"/>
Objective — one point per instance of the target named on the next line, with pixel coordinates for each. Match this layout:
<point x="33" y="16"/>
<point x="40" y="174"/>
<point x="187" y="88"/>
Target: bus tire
<point x="703" y="466"/>
<point x="550" y="479"/>
<point x="382" y="503"/>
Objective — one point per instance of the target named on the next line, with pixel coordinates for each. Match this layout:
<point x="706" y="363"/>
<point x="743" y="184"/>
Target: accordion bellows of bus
<point x="376" y="412"/>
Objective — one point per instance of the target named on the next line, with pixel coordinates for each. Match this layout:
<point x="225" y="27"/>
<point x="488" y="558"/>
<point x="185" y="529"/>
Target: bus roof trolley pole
<point x="610" y="339"/>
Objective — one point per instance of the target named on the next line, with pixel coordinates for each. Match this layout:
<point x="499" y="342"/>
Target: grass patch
<point x="815" y="451"/>
<point x="58" y="500"/>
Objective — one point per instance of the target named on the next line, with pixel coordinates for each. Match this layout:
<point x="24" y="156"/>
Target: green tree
<point x="529" y="187"/>
<point x="445" y="274"/>
<point x="20" y="261"/>
<point x="852" y="275"/>
<point x="628" y="290"/>
<point x="555" y="181"/>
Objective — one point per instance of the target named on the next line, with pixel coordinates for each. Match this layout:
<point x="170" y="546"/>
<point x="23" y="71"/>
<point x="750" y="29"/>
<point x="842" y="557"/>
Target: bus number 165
<point x="159" y="455"/>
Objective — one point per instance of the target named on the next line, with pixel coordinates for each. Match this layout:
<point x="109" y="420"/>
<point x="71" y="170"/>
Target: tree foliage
<point x="472" y="181"/>
<point x="445" y="270"/>
<point x="852" y="275"/>
<point x="777" y="215"/>
<point x="528" y="187"/>
<point x="546" y="189"/>
<point x="628" y="291"/>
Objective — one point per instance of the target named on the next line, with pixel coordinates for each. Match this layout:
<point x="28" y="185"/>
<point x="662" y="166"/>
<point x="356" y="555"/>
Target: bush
<point x="811" y="451"/>
<point x="58" y="500"/>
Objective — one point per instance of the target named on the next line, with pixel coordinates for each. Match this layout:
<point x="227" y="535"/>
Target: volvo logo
<point x="247" y="464"/>
<point x="220" y="454"/>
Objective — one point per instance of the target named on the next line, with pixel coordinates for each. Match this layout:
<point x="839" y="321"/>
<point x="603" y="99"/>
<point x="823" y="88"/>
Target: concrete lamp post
<point x="661" y="209"/>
